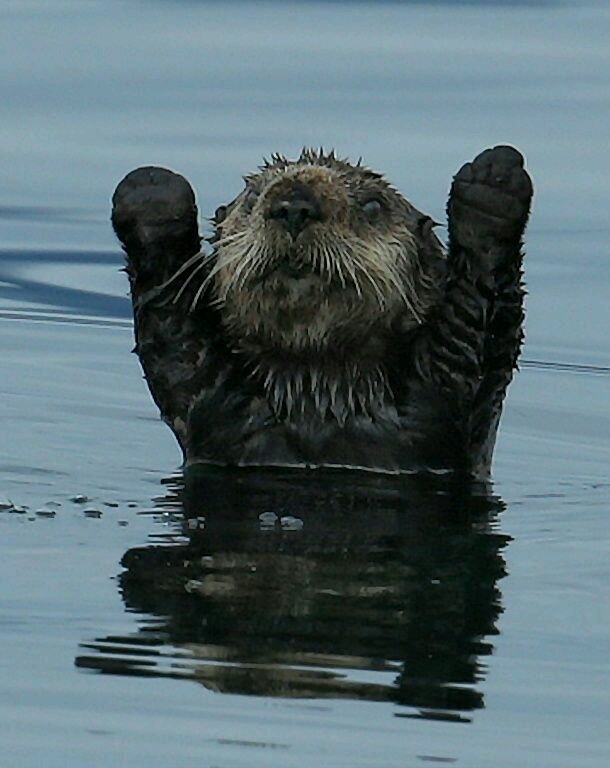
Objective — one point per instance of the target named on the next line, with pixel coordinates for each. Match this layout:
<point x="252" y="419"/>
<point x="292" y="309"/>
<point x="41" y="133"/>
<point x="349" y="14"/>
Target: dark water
<point x="333" y="621"/>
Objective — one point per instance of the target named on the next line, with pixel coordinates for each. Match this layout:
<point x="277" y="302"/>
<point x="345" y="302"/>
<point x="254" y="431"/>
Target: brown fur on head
<point x="338" y="280"/>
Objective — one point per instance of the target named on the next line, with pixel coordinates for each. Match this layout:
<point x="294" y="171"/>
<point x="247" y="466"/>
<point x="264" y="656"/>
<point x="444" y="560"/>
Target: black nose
<point x="295" y="208"/>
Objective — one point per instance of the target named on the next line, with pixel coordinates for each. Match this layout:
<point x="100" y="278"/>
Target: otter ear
<point x="425" y="225"/>
<point x="431" y="250"/>
<point x="220" y="214"/>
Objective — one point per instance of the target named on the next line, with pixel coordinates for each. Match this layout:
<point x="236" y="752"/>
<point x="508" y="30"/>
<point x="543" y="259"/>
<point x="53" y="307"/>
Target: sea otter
<point x="325" y="324"/>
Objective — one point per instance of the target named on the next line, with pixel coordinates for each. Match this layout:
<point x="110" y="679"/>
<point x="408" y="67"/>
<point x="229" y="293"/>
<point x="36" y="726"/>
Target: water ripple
<point x="56" y="286"/>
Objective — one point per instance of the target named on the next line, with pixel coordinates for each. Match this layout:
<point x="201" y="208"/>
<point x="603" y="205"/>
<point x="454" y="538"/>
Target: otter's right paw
<point x="490" y="200"/>
<point x="155" y="217"/>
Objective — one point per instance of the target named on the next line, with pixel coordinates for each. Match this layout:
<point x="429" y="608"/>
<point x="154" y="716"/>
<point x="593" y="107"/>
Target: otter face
<point x="317" y="251"/>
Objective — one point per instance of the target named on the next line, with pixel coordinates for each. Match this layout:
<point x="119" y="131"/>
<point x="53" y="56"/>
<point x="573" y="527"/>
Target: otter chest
<point x="422" y="434"/>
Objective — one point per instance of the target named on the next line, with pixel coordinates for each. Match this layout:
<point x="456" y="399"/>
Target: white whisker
<point x="362" y="267"/>
<point x="201" y="256"/>
<point x="185" y="284"/>
<point x="352" y="273"/>
<point x="213" y="272"/>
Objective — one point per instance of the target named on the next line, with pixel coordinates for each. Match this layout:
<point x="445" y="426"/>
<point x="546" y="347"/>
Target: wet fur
<point x="360" y="343"/>
<point x="363" y="276"/>
<point x="318" y="342"/>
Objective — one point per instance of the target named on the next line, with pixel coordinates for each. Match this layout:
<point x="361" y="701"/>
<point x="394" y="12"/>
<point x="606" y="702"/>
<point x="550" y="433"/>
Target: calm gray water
<point x="347" y="626"/>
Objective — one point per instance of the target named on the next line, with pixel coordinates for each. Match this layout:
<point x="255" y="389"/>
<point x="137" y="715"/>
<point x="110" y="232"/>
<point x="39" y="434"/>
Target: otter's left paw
<point x="490" y="200"/>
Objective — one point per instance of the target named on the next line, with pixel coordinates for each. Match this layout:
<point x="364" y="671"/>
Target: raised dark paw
<point x="490" y="200"/>
<point x="155" y="217"/>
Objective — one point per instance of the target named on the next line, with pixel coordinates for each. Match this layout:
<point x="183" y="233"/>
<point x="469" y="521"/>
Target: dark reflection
<point x="319" y="585"/>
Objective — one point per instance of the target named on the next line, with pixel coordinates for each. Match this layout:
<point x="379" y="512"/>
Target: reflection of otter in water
<point x="374" y="588"/>
<point x="328" y="326"/>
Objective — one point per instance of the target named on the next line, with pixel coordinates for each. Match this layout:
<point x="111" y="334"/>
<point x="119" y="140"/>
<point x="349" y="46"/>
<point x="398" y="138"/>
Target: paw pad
<point x="490" y="198"/>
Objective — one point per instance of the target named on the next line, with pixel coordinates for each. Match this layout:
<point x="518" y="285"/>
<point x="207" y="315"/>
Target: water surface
<point x="339" y="622"/>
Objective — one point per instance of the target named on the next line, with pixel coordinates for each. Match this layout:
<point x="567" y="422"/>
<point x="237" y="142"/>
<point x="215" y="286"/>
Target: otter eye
<point x="250" y="199"/>
<point x="372" y="209"/>
<point x="220" y="214"/>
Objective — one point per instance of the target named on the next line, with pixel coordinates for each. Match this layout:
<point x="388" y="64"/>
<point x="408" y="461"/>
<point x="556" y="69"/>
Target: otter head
<point x="318" y="255"/>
